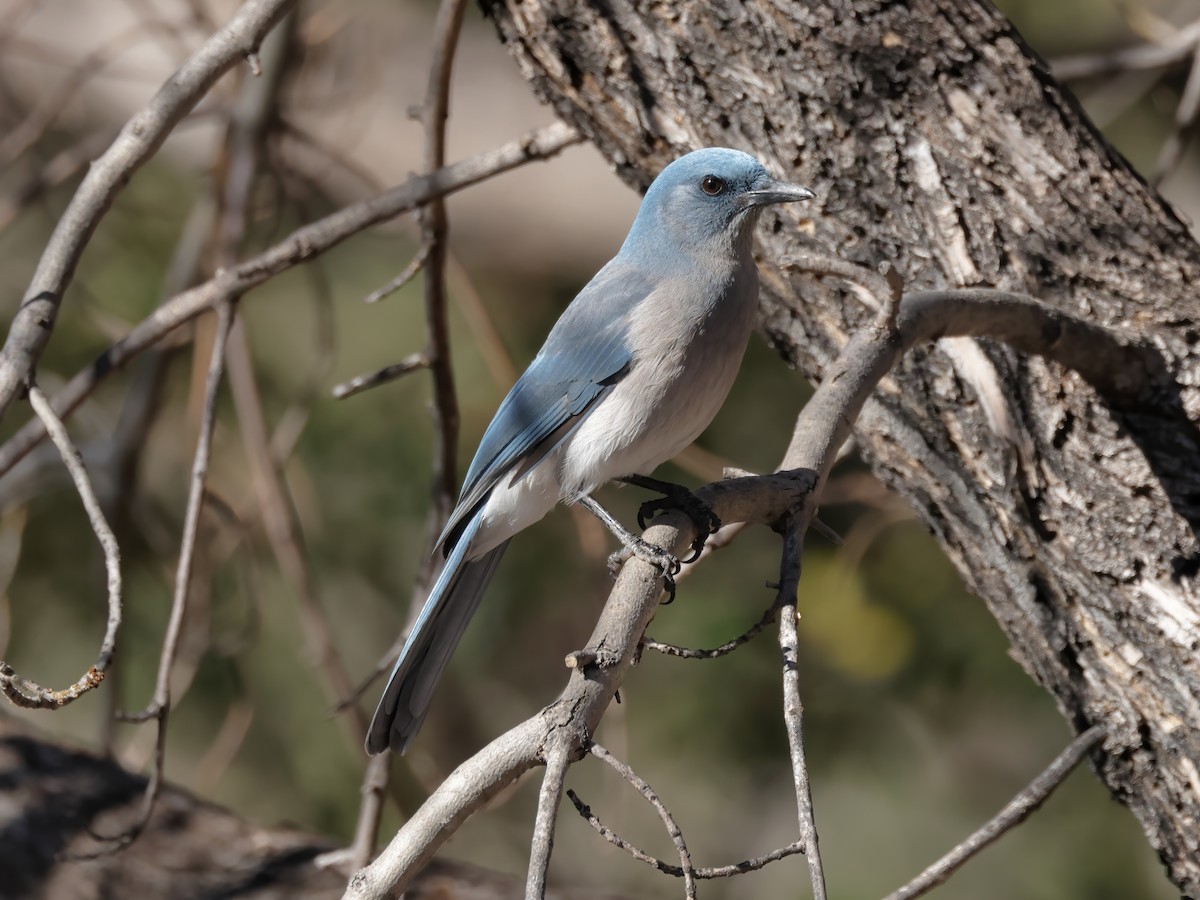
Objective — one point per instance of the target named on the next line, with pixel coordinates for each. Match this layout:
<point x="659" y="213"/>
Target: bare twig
<point x="542" y="843"/>
<point x="1014" y="813"/>
<point x="303" y="244"/>
<point x="716" y="652"/>
<point x="703" y="873"/>
<point x="160" y="706"/>
<point x="360" y="383"/>
<point x="433" y="234"/>
<point x="793" y="709"/>
<point x="27" y="693"/>
<point x="137" y="142"/>
<point x="408" y="274"/>
<point x="668" y="820"/>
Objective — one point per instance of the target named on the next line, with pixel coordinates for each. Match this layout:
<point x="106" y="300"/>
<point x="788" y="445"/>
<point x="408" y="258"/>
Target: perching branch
<point x="1119" y="367"/>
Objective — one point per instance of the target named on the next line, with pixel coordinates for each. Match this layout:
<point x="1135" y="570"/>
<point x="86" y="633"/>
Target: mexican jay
<point x="633" y="371"/>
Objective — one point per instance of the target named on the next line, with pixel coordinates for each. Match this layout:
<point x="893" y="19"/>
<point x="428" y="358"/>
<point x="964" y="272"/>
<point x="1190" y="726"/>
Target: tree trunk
<point x="939" y="143"/>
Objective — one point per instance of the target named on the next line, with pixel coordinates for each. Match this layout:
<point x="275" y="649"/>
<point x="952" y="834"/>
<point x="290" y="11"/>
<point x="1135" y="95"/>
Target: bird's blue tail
<point x="438" y="629"/>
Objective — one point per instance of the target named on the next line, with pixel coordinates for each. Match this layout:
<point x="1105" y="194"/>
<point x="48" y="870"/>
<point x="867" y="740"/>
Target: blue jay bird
<point x="633" y="371"/>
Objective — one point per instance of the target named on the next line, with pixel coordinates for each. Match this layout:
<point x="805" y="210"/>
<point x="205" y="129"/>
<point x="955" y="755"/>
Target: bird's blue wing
<point x="584" y="355"/>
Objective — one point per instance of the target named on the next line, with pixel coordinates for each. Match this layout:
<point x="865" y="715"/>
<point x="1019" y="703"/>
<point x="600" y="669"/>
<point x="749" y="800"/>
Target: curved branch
<point x="26" y="693"/>
<point x="704" y="872"/>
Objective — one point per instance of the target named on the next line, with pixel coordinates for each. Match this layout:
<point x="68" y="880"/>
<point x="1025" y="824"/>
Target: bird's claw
<point x="667" y="563"/>
<point x="705" y="520"/>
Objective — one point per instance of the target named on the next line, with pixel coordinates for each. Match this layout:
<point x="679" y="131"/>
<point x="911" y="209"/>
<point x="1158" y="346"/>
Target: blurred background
<point x="919" y="725"/>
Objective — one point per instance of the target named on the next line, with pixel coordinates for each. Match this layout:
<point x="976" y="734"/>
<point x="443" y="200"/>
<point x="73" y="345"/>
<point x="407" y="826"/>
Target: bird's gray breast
<point x="686" y="339"/>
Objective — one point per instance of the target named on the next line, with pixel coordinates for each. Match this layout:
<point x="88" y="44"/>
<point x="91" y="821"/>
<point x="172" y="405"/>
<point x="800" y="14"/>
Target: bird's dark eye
<point x="712" y="185"/>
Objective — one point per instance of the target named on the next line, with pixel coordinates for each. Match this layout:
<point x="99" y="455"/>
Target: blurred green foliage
<point x="919" y="725"/>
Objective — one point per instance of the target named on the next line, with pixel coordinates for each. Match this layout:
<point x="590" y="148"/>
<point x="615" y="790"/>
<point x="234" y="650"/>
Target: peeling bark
<point x="938" y="142"/>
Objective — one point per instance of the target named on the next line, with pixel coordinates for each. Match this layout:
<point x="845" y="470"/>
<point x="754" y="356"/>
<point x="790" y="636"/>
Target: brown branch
<point x="747" y="865"/>
<point x="1014" y="813"/>
<point x="27" y="693"/>
<point x="139" y="139"/>
<point x="303" y="244"/>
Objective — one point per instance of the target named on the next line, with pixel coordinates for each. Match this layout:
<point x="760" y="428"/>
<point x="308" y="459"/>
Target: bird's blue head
<point x="708" y="200"/>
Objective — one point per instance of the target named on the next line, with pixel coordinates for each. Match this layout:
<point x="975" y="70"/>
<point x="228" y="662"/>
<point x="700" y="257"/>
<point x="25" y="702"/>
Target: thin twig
<point x="1014" y="813"/>
<point x="138" y="141"/>
<point x="685" y="858"/>
<point x="160" y="706"/>
<point x="433" y="234"/>
<point x="549" y="800"/>
<point x="793" y="709"/>
<point x="703" y="873"/>
<point x="360" y="383"/>
<point x="26" y="693"/>
<point x="716" y="652"/>
<point x="408" y="274"/>
<point x="303" y="244"/>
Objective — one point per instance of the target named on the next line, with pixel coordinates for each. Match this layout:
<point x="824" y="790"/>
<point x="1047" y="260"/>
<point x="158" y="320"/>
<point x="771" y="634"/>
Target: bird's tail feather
<point x="438" y="629"/>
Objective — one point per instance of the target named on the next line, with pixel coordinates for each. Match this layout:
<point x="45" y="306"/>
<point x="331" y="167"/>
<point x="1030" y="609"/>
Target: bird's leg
<point x="676" y="496"/>
<point x="666" y="562"/>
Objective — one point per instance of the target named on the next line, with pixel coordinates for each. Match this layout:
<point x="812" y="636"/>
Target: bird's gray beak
<point x="773" y="191"/>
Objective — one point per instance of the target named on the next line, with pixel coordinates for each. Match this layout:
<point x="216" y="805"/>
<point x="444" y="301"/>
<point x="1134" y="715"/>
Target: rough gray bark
<point x="938" y="142"/>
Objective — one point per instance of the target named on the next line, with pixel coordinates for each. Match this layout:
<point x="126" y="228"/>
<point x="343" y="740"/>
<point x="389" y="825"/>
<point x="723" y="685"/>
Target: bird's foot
<point x="676" y="496"/>
<point x="667" y="563"/>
